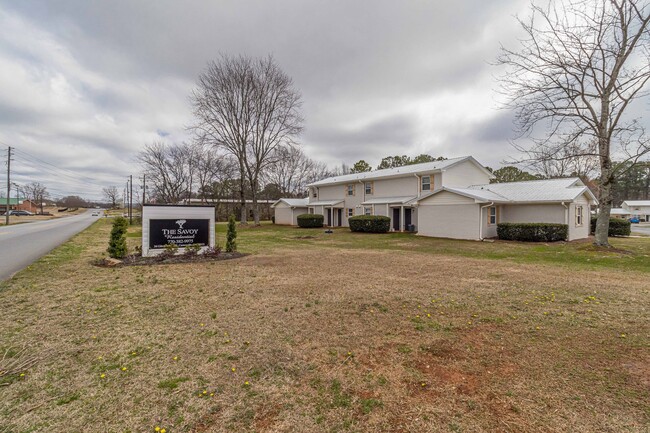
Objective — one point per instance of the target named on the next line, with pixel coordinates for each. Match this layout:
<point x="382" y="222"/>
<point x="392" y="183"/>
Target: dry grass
<point x="327" y="339"/>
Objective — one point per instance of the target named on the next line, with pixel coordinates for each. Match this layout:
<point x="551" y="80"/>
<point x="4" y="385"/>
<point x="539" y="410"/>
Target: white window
<point x="314" y="192"/>
<point x="350" y="212"/>
<point x="579" y="216"/>
<point x="368" y="186"/>
<point x="367" y="211"/>
<point x="351" y="189"/>
<point x="492" y="215"/>
<point x="311" y="210"/>
<point x="426" y="183"/>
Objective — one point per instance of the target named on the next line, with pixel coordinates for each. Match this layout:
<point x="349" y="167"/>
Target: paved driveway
<point x="641" y="229"/>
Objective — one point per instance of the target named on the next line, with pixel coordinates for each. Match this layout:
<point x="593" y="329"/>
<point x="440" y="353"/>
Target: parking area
<point x="641" y="229"/>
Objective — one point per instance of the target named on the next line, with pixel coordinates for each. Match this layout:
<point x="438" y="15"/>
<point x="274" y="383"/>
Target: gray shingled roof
<point x="294" y="202"/>
<point x="426" y="167"/>
<point x="534" y="191"/>
<point x="637" y="202"/>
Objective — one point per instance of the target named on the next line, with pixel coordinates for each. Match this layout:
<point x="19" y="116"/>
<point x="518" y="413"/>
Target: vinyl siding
<point x="579" y="232"/>
<point x="396" y="187"/>
<point x="464" y="174"/>
<point x="533" y="213"/>
<point x="458" y="221"/>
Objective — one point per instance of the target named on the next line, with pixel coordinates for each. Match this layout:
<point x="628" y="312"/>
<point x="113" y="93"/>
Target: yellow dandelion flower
<point x="22" y="374"/>
<point x="134" y="353"/>
<point x="623" y="335"/>
<point x="156" y="428"/>
<point x="233" y="369"/>
<point x="162" y="430"/>
<point x="537" y="327"/>
<point x="101" y="376"/>
<point x="201" y="324"/>
<point x="205" y="392"/>
<point x="175" y="358"/>
<point x="428" y="315"/>
<point x="423" y="384"/>
<point x="124" y="368"/>
<point x="246" y="383"/>
<point x="100" y="357"/>
<point x="212" y="394"/>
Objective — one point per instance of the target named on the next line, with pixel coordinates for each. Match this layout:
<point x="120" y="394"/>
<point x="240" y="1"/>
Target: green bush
<point x="310" y="220"/>
<point x="231" y="236"/>
<point x="617" y="227"/>
<point x="533" y="232"/>
<point x="369" y="223"/>
<point x="117" y="242"/>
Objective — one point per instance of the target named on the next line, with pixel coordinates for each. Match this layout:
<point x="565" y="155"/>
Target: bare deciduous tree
<point x="169" y="170"/>
<point x="112" y="195"/>
<point x="573" y="80"/>
<point x="291" y="171"/>
<point x="250" y="108"/>
<point x="36" y="192"/>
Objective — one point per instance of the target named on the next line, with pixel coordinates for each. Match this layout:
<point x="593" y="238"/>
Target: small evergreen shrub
<point x="117" y="242"/>
<point x="533" y="232"/>
<point x="617" y="227"/>
<point x="231" y="236"/>
<point x="310" y="220"/>
<point x="369" y="223"/>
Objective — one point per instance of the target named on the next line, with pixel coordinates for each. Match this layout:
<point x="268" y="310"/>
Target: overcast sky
<point x="85" y="84"/>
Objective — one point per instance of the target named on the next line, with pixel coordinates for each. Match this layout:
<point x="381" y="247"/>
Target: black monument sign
<point x="182" y="232"/>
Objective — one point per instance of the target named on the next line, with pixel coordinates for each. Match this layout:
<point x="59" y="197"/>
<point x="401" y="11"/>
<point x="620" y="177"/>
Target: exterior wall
<point x="458" y="221"/>
<point x="579" y="231"/>
<point x="533" y="213"/>
<point x="285" y="215"/>
<point x="396" y="187"/>
<point x="489" y="230"/>
<point x="464" y="175"/>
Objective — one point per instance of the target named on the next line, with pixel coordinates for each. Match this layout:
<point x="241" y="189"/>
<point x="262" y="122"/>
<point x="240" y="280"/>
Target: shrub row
<point x="533" y="232"/>
<point x="310" y="220"/>
<point x="617" y="227"/>
<point x="369" y="223"/>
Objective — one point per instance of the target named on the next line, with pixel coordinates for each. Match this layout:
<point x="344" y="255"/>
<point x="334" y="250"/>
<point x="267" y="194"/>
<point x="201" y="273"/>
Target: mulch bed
<point x="180" y="258"/>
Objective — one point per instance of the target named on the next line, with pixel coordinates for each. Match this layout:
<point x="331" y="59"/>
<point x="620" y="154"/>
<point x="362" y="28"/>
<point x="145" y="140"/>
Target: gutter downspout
<point x="480" y="220"/>
<point x="566" y="218"/>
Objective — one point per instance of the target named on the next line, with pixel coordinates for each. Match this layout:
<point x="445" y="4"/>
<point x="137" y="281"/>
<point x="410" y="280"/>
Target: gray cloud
<point x="87" y="84"/>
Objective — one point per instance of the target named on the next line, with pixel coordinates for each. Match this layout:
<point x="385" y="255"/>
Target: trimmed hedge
<point x="310" y="220"/>
<point x="617" y="227"/>
<point x="533" y="232"/>
<point x="369" y="223"/>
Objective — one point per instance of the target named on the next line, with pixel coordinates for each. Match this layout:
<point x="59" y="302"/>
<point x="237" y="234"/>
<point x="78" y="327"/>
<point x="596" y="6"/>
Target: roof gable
<point x="403" y="171"/>
<point x="534" y="191"/>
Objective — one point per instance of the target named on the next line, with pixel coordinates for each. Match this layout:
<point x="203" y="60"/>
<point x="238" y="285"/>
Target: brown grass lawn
<point x="313" y="333"/>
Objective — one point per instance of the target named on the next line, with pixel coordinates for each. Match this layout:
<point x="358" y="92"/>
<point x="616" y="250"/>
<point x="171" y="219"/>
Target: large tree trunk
<point x="256" y="209"/>
<point x="605" y="201"/>
<point x="243" y="218"/>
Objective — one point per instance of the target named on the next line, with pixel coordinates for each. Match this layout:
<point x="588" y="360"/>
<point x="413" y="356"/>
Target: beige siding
<point x="446" y="198"/>
<point x="463" y="175"/>
<point x="395" y="187"/>
<point x="489" y="230"/>
<point x="576" y="231"/>
<point x="533" y="213"/>
<point x="284" y="215"/>
<point x="458" y="221"/>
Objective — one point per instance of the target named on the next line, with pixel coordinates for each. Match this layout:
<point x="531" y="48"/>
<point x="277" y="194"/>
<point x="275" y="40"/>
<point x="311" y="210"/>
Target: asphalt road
<point x="22" y="244"/>
<point x="641" y="229"/>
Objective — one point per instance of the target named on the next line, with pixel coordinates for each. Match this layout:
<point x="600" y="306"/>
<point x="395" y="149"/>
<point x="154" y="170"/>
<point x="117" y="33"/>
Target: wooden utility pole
<point x="8" y="184"/>
<point x="131" y="199"/>
<point x="144" y="189"/>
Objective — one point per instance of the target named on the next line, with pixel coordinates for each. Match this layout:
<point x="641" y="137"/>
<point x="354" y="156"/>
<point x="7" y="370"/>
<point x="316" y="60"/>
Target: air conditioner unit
<point x="410" y="228"/>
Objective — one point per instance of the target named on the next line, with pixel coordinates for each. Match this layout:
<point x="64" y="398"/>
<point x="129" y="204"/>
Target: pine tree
<point x="231" y="236"/>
